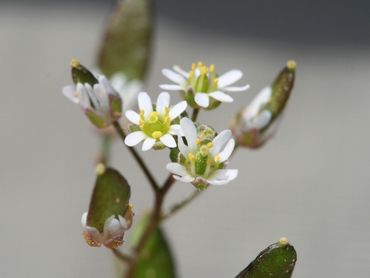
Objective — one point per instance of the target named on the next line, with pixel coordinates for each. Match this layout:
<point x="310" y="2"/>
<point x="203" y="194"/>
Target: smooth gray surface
<point x="311" y="183"/>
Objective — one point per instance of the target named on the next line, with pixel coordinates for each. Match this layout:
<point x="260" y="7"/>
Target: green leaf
<point x="156" y="260"/>
<point x="111" y="196"/>
<point x="126" y="44"/>
<point x="276" y="261"/>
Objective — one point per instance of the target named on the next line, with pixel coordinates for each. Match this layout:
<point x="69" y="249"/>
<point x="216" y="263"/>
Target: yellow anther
<point x="283" y="241"/>
<point x="197" y="141"/>
<point x="217" y="158"/>
<point x="203" y="70"/>
<point x="204" y="150"/>
<point x="75" y="63"/>
<point x="142" y="112"/>
<point x="200" y="63"/>
<point x="191" y="157"/>
<point x="193" y="67"/>
<point x="153" y="118"/>
<point x="100" y="169"/>
<point x="157" y="134"/>
<point x="210" y="145"/>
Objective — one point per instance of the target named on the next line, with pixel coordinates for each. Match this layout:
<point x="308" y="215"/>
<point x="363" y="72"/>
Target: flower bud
<point x="100" y="102"/>
<point x="257" y="122"/>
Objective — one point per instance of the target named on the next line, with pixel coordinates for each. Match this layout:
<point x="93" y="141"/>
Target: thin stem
<point x="106" y="142"/>
<point x="121" y="256"/>
<point x="139" y="160"/>
<point x="175" y="208"/>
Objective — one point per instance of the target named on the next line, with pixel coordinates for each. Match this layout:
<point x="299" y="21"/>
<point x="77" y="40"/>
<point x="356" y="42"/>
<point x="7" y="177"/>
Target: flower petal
<point x="220" y="96"/>
<point x="189" y="130"/>
<point x="168" y="141"/>
<point x="163" y="101"/>
<point x="145" y="103"/>
<point x="178" y="109"/>
<point x="202" y="99"/>
<point x="171" y="87"/>
<point x="176" y="130"/>
<point x="173" y="76"/>
<point x="220" y="140"/>
<point x="184" y="150"/>
<point x="261" y="120"/>
<point x="176" y="168"/>
<point x="133" y="117"/>
<point x="71" y="93"/>
<point x="134" y="138"/>
<point x="223" y="176"/>
<point x="187" y="178"/>
<point x="181" y="71"/>
<point x="227" y="151"/>
<point x="84" y="219"/>
<point x="229" y="78"/>
<point x="237" y="89"/>
<point x="148" y="144"/>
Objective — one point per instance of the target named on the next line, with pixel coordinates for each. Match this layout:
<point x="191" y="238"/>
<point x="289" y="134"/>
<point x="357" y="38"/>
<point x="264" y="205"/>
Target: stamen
<point x="217" y="158"/>
<point x="197" y="141"/>
<point x="75" y="63"/>
<point x="210" y="145"/>
<point x="191" y="157"/>
<point x="157" y="134"/>
<point x="203" y="150"/>
<point x="153" y="118"/>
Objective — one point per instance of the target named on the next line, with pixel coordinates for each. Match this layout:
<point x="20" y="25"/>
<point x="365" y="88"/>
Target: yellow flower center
<point x="202" y="78"/>
<point x="156" y="124"/>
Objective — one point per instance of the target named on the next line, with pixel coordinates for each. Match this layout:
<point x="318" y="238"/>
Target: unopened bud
<point x="257" y="122"/>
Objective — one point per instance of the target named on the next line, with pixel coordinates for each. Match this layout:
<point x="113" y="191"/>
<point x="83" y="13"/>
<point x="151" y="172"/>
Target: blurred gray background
<point x="311" y="183"/>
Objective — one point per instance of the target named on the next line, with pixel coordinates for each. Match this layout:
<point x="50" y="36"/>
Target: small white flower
<point x="203" y="161"/>
<point x="112" y="236"/>
<point x="202" y="83"/>
<point x="156" y="126"/>
<point x="100" y="102"/>
<point x="128" y="90"/>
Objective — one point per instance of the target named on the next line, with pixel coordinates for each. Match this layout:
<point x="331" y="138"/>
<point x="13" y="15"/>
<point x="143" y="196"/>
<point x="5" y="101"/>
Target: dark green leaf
<point x="156" y="260"/>
<point x="276" y="261"/>
<point x="126" y="44"/>
<point x="111" y="196"/>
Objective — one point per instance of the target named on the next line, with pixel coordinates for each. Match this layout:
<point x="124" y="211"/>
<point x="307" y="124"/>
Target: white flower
<point x="128" y="90"/>
<point x="156" y="126"/>
<point x="100" y="102"/>
<point x="203" y="161"/>
<point x="112" y="236"/>
<point x="202" y="83"/>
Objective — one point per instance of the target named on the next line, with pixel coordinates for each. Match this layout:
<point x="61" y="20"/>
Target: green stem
<point x="175" y="208"/>
<point x="153" y="183"/>
<point x="121" y="256"/>
<point x="194" y="116"/>
<point x="106" y="142"/>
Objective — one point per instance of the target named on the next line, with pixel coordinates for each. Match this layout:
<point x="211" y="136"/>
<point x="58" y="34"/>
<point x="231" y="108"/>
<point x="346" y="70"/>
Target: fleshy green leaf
<point x="276" y="261"/>
<point x="126" y="44"/>
<point x="111" y="196"/>
<point x="156" y="259"/>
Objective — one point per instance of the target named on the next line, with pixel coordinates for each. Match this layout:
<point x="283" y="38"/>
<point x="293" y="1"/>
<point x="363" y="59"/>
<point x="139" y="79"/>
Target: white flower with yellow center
<point x="202" y="86"/>
<point x="202" y="161"/>
<point x="156" y="125"/>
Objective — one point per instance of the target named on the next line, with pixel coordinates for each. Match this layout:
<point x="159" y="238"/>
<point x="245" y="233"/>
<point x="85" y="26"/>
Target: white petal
<point x="168" y="141"/>
<point x="148" y="144"/>
<point x="163" y="101"/>
<point x="181" y="71"/>
<point x="261" y="120"/>
<point x="223" y="176"/>
<point x="202" y="99"/>
<point x="102" y="97"/>
<point x="118" y="81"/>
<point x="219" y="141"/>
<point x="189" y="130"/>
<point x="237" y="89"/>
<point x="133" y="117"/>
<point x="84" y="219"/>
<point x="260" y="100"/>
<point x="134" y="138"/>
<point x="113" y="226"/>
<point x="184" y="150"/>
<point x="106" y="85"/>
<point x="178" y="109"/>
<point x="88" y="90"/>
<point x="220" y="96"/>
<point x="171" y="87"/>
<point x="125" y="224"/>
<point x="177" y="169"/>
<point x="174" y="77"/>
<point x="229" y="78"/>
<point x="176" y="130"/>
<point x="187" y="178"/>
<point x="71" y="93"/>
<point x="145" y="103"/>
<point x="227" y="151"/>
